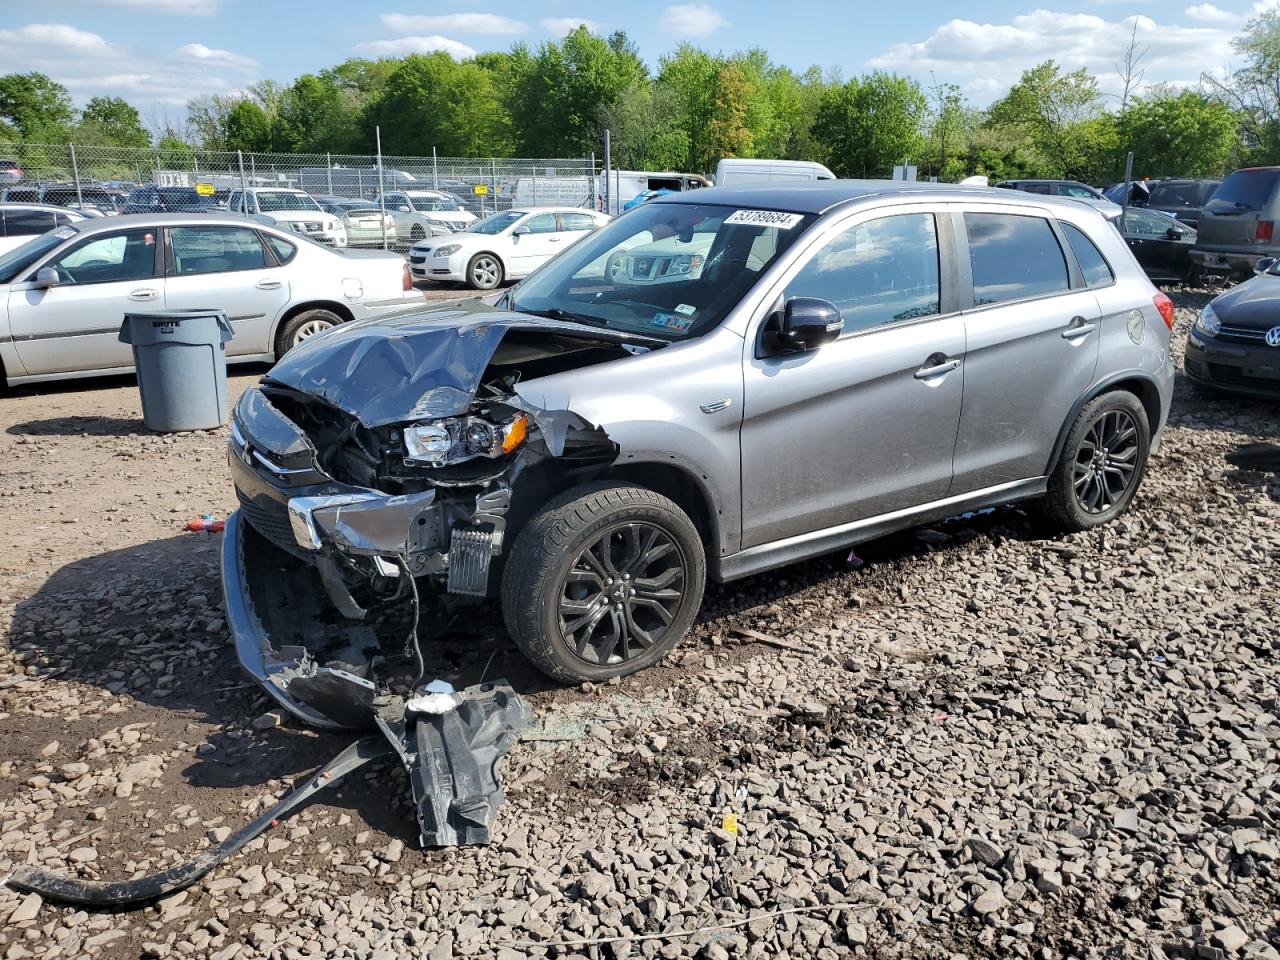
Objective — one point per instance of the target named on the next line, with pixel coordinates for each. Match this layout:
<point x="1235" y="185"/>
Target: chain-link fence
<point x="104" y="177"/>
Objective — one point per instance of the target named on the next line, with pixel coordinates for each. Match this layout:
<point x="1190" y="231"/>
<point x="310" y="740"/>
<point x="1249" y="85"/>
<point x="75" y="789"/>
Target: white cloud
<point x="691" y="19"/>
<point x="454" y="23"/>
<point x="223" y="57"/>
<point x="90" y="65"/>
<point x="561" y="26"/>
<point x="402" y="46"/>
<point x="1208" y="13"/>
<point x="997" y="53"/>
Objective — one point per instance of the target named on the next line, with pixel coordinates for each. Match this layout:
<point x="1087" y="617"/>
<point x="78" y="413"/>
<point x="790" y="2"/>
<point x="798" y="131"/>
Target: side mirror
<point x="46" y="277"/>
<point x="1263" y="265"/>
<point x="521" y="231"/>
<point x="1173" y="233"/>
<point x="807" y="324"/>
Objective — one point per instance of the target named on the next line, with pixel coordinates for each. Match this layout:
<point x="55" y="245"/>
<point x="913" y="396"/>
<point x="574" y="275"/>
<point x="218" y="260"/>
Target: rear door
<point x="75" y="325"/>
<point x="575" y="226"/>
<point x="1032" y="336"/>
<point x="1238" y="214"/>
<point x="230" y="268"/>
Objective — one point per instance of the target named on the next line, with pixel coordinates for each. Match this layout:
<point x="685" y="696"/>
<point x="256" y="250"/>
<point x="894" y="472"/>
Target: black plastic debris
<point x="451" y="745"/>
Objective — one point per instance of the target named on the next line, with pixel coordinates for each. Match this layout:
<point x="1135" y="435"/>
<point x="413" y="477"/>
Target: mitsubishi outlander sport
<point x="848" y="359"/>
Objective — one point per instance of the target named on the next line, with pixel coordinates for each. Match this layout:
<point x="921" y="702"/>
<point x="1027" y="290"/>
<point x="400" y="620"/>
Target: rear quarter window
<point x="1244" y="190"/>
<point x="1094" y="266"/>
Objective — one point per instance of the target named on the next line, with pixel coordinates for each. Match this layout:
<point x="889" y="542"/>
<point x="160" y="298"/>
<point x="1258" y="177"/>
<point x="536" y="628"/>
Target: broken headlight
<point x="439" y="443"/>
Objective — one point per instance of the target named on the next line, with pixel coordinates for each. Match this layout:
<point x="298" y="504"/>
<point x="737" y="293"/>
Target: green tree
<point x="644" y="128"/>
<point x="564" y="88"/>
<point x="1051" y="109"/>
<point x="207" y="119"/>
<point x="434" y="101"/>
<point x="1179" y="133"/>
<point x="111" y="121"/>
<point x="315" y="114"/>
<point x="950" y="127"/>
<point x="871" y="123"/>
<point x="690" y="75"/>
<point x="729" y="132"/>
<point x="1253" y="91"/>
<point x="248" y="127"/>
<point x="38" y="108"/>
<point x="175" y="153"/>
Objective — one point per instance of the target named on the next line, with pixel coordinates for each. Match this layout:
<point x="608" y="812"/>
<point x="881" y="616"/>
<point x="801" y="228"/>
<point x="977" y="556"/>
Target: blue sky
<point x="159" y="53"/>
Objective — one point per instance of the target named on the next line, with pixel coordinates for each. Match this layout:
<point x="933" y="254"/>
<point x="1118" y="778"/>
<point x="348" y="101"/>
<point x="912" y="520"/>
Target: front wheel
<point x="484" y="272"/>
<point x="1102" y="463"/>
<point x="602" y="582"/>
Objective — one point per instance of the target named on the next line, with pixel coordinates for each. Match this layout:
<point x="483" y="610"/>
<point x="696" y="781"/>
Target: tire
<point x="303" y="326"/>
<point x="485" y="272"/>
<point x="1102" y="464"/>
<point x="565" y="561"/>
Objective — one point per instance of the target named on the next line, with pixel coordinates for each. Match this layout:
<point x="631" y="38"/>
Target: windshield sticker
<point x="765" y="218"/>
<point x="66" y="233"/>
<point x="687" y="310"/>
<point x="670" y="321"/>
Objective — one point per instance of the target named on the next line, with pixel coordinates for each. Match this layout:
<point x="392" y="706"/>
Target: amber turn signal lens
<point x="515" y="433"/>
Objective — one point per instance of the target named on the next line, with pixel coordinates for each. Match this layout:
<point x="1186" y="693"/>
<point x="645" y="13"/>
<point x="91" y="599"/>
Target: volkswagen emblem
<point x="1273" y="337"/>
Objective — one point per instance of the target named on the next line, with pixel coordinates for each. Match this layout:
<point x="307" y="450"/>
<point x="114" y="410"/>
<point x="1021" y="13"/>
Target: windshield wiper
<point x="555" y="313"/>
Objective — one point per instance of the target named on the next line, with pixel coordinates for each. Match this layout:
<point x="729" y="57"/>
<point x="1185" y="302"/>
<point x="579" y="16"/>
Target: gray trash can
<point x="181" y="360"/>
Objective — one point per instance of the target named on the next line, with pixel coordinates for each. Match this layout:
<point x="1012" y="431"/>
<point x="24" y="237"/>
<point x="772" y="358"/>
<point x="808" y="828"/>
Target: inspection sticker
<point x="669" y="321"/>
<point x="765" y="218"/>
<point x="686" y="309"/>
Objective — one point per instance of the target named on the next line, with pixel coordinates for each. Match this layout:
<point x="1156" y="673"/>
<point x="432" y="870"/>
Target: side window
<point x="1035" y="188"/>
<point x="282" y="248"/>
<point x="1145" y="224"/>
<point x="878" y="272"/>
<point x="109" y="259"/>
<point x="1013" y="257"/>
<point x="1094" y="266"/>
<point x="576" y="221"/>
<point x="542" y="223"/>
<point x="28" y="223"/>
<point x="215" y="250"/>
<point x="1075" y="190"/>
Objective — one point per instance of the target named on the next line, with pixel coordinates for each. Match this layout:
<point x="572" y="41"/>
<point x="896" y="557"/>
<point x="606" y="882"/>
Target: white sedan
<point x="505" y="246"/>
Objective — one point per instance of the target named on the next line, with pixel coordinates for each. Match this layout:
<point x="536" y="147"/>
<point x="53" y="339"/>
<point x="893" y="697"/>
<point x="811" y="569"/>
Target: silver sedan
<point x="64" y="294"/>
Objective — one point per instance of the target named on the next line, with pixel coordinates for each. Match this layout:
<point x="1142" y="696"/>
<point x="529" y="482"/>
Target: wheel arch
<point x="333" y="306"/>
<point x="1140" y="384"/>
<point x="681" y="486"/>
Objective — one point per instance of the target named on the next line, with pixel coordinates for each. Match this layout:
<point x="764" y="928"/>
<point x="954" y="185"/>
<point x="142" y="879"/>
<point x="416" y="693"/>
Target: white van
<point x="624" y="186"/>
<point x="739" y="173"/>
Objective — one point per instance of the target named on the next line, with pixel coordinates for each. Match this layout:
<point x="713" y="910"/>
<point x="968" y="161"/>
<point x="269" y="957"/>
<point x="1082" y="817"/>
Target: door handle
<point x="554" y="239"/>
<point x="932" y="369"/>
<point x="144" y="293"/>
<point x="1078" y="328"/>
<point x="270" y="284"/>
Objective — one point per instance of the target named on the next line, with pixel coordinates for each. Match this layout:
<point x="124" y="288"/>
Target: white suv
<point x="292" y="209"/>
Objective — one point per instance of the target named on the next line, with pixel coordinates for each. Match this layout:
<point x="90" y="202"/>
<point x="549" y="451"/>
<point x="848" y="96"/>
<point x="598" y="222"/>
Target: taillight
<point x="1165" y="306"/>
<point x="407" y="282"/>
<point x="1262" y="233"/>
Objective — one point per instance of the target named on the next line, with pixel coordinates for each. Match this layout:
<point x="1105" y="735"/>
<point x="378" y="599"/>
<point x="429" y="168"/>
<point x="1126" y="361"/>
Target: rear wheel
<point x="1102" y="463"/>
<point x="304" y="326"/>
<point x="484" y="272"/>
<point x="602" y="582"/>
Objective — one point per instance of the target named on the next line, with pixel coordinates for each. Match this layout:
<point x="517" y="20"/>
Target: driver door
<point x="865" y="425"/>
<point x="543" y="241"/>
<point x="75" y="324"/>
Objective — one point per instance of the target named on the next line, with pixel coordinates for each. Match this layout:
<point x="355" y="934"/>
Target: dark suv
<point x="151" y="199"/>
<point x="1238" y="225"/>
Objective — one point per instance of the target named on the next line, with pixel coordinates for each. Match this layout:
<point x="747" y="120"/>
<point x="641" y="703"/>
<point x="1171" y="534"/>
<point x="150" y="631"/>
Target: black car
<point x="151" y="199"/>
<point x="1161" y="244"/>
<point x="1235" y="343"/>
<point x="1183" y="199"/>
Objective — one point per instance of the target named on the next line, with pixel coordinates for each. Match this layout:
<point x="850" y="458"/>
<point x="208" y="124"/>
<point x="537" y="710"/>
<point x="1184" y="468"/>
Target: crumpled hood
<point x="1254" y="304"/>
<point x="415" y="366"/>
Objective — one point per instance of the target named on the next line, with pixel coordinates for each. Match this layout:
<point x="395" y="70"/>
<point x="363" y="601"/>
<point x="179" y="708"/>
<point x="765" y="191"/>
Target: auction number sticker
<point x="765" y="218"/>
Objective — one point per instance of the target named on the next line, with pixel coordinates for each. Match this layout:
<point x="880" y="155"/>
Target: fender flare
<point x="1096" y="390"/>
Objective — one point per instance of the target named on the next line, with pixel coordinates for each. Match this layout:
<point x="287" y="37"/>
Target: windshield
<point x="1181" y="193"/>
<point x="18" y="259"/>
<point x="666" y="270"/>
<point x="496" y="222"/>
<point x="269" y="201"/>
<point x="434" y="204"/>
<point x="1244" y="190"/>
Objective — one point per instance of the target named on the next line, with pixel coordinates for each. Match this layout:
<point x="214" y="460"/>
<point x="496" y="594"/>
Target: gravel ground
<point x="991" y="743"/>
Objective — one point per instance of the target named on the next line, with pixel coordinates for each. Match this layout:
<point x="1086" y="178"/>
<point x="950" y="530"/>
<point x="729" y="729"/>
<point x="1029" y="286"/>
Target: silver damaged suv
<point x="712" y="385"/>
